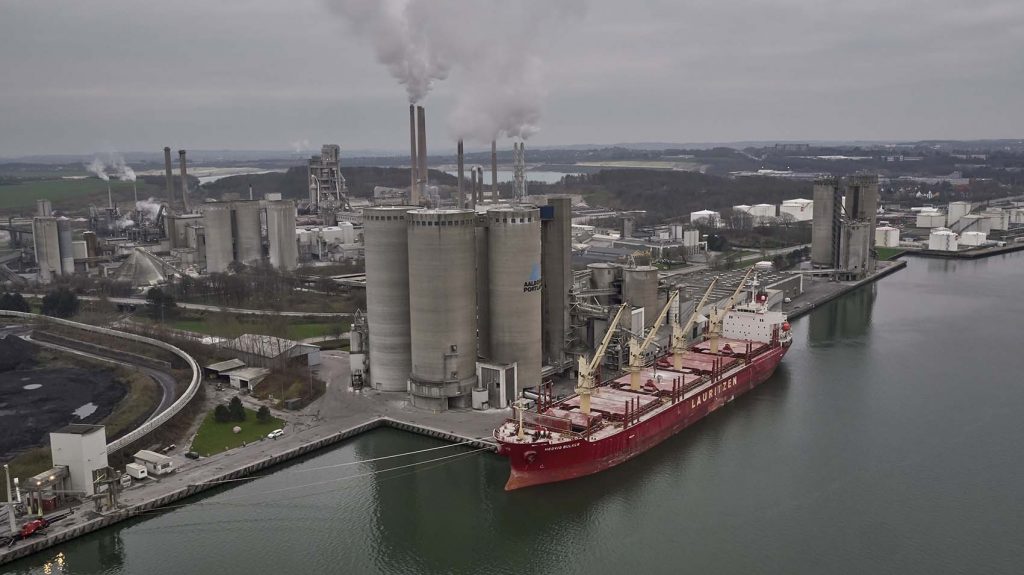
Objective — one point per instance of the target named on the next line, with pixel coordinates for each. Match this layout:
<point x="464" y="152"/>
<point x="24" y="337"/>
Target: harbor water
<point x="887" y="442"/>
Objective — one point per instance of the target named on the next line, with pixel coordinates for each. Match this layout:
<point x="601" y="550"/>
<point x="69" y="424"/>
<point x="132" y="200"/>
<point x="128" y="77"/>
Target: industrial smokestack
<point x="494" y="170"/>
<point x="421" y="150"/>
<point x="462" y="174"/>
<point x="413" y="157"/>
<point x="170" y="176"/>
<point x="472" y="192"/>
<point x="480" y="184"/>
<point x="184" y="181"/>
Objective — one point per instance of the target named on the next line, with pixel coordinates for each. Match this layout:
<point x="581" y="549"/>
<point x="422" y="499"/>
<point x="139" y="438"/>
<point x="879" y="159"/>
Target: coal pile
<point x="16" y="353"/>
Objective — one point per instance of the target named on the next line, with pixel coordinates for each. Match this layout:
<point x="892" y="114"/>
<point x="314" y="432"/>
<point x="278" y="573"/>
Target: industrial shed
<point x="269" y="351"/>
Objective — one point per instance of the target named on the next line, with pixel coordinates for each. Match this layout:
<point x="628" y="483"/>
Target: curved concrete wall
<point x="161" y="418"/>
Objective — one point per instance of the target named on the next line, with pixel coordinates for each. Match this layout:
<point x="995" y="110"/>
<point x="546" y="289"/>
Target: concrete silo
<point x="219" y="245"/>
<point x="825" y="227"/>
<point x="284" y="252"/>
<point x="556" y="267"/>
<point x="515" y="278"/>
<point x="442" y="310"/>
<point x="46" y="242"/>
<point x="640" y="289"/>
<point x="67" y="250"/>
<point x="386" y="238"/>
<point x="248" y="240"/>
<point x="483" y="291"/>
<point x="603" y="277"/>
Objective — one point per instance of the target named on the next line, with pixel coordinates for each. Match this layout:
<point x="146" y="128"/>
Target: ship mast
<point x="637" y="348"/>
<point x="679" y="332"/>
<point x="715" y="323"/>
<point x="585" y="384"/>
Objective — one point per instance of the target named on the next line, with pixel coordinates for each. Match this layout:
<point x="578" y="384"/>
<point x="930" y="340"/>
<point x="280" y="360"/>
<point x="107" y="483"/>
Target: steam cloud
<point x="493" y="47"/>
<point x="116" y="164"/>
<point x="150" y="207"/>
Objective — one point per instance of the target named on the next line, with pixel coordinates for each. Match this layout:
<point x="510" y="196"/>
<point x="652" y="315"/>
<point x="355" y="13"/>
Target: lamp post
<point x="10" y="499"/>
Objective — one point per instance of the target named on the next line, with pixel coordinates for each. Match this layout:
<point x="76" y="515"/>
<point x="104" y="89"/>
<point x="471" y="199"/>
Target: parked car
<point x="275" y="434"/>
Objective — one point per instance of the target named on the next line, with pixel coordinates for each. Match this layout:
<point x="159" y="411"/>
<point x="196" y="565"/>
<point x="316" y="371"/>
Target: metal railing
<point x="162" y="417"/>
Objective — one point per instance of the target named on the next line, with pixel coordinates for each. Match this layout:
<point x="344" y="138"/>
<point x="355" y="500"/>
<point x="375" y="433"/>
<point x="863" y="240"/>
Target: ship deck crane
<point x="715" y="322"/>
<point x="679" y="332"/>
<point x="637" y="348"/>
<point x="585" y="383"/>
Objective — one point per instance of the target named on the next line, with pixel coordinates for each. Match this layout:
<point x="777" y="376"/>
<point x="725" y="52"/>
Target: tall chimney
<point x="480" y="184"/>
<point x="413" y="158"/>
<point x="170" y="177"/>
<point x="421" y="149"/>
<point x="472" y="191"/>
<point x="494" y="170"/>
<point x="462" y="174"/>
<point x="184" y="181"/>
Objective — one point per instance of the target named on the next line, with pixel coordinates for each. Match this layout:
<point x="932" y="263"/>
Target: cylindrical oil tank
<point x="603" y="277"/>
<point x="219" y="248"/>
<point x="386" y="239"/>
<point x="640" y="289"/>
<point x="248" y="240"/>
<point x="67" y="252"/>
<point x="442" y="311"/>
<point x="513" y="238"/>
<point x="47" y="247"/>
<point x="284" y="252"/>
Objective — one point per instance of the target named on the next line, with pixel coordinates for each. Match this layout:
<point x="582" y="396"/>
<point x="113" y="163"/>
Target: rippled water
<point x="888" y="442"/>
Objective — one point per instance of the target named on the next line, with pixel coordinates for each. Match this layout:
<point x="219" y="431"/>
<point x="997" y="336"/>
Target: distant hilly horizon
<point x="232" y="155"/>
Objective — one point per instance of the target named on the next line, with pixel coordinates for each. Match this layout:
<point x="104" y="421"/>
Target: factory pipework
<point x="413" y="158"/>
<point x="169" y="174"/>
<point x="462" y="176"/>
<point x="184" y="181"/>
<point x="421" y="151"/>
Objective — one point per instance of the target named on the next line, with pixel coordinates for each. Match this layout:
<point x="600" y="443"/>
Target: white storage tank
<point x="887" y="237"/>
<point x="943" y="240"/>
<point x="706" y="217"/>
<point x="640" y="289"/>
<point x="930" y="219"/>
<point x="515" y="283"/>
<point x="955" y="211"/>
<point x="973" y="238"/>
<point x="385" y="232"/>
<point x="800" y="209"/>
<point x="603" y="277"/>
<point x="282" y="244"/>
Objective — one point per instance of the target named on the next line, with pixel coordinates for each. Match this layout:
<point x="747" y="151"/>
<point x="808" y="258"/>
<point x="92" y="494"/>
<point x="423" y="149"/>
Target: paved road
<point x="235" y="310"/>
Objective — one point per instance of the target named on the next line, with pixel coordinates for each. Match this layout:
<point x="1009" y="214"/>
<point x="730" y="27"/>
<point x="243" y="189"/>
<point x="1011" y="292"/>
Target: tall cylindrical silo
<point x="442" y="310"/>
<point x="248" y="240"/>
<point x="603" y="277"/>
<point x="824" y="235"/>
<point x="513" y="238"/>
<point x="47" y="247"/>
<point x="219" y="248"/>
<point x="284" y="252"/>
<point x="67" y="252"/>
<point x="483" y="292"/>
<point x="386" y="239"/>
<point x="640" y="289"/>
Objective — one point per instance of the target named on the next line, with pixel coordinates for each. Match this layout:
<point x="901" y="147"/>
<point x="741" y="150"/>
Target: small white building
<point x="800" y="209"/>
<point x="944" y="240"/>
<point x="154" y="463"/>
<point x="247" y="378"/>
<point x="887" y="237"/>
<point x="83" y="450"/>
<point x="930" y="218"/>
<point x="973" y="239"/>
<point x="706" y="217"/>
<point x="136" y="470"/>
<point x="1017" y="216"/>
<point x="998" y="219"/>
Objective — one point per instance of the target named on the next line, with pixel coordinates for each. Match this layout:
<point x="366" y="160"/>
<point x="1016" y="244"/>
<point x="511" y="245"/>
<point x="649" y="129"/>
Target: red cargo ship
<point x="614" y="422"/>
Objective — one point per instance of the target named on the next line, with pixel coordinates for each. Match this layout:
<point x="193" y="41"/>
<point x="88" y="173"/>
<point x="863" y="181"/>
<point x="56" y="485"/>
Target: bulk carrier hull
<point x="539" y="461"/>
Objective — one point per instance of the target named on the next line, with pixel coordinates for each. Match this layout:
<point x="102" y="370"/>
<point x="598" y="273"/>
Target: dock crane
<point x="585" y="384"/>
<point x="679" y="332"/>
<point x="715" y="322"/>
<point x="637" y="348"/>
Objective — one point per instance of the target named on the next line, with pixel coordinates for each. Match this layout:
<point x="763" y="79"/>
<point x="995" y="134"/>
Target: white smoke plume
<point x="299" y="146"/>
<point x="115" y="163"/>
<point x="98" y="167"/>
<point x="150" y="207"/>
<point x="492" y="48"/>
<point x="124" y="223"/>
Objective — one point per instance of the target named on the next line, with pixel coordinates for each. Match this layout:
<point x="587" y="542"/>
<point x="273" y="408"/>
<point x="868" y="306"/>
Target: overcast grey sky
<point x="84" y="76"/>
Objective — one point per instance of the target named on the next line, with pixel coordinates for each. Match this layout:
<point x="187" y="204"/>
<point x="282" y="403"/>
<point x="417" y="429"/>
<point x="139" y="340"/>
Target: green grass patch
<point x="143" y="396"/>
<point x="886" y="254"/>
<point x="214" y="437"/>
<point x="225" y="325"/>
<point x="71" y="193"/>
